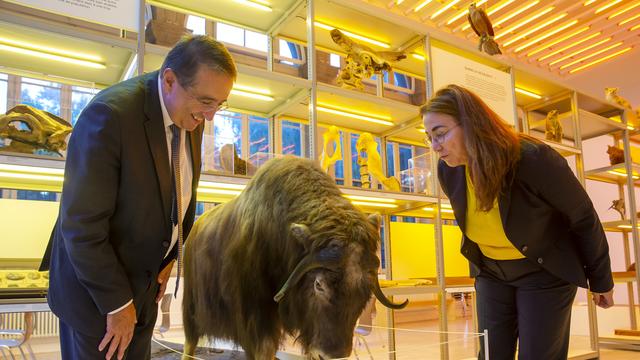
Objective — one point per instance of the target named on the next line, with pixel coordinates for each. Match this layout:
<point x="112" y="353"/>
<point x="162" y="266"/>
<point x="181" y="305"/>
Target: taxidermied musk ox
<point x="289" y="255"/>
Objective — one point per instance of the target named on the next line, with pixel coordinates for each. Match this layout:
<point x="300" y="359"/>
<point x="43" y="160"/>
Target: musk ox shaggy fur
<point x="289" y="255"/>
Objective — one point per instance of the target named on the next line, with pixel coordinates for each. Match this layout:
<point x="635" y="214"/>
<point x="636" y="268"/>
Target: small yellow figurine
<point x="330" y="136"/>
<point x="367" y="144"/>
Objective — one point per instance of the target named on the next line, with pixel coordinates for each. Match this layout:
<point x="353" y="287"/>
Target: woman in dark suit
<point x="530" y="230"/>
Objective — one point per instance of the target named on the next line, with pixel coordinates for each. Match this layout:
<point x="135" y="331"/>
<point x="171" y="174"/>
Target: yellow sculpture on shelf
<point x="330" y="137"/>
<point x="44" y="130"/>
<point x="372" y="164"/>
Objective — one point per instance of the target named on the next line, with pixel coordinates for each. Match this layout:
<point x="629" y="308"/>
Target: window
<point x="196" y="24"/>
<point x="292" y="138"/>
<point x="44" y="95"/>
<point x="4" y="83"/>
<point x="241" y="37"/>
<point x="258" y="135"/>
<point x="405" y="154"/>
<point x="256" y="41"/>
<point x="227" y="129"/>
<point x="391" y="168"/>
<point x="80" y="97"/>
<point x="36" y="195"/>
<point x="334" y="60"/>
<point x="355" y="168"/>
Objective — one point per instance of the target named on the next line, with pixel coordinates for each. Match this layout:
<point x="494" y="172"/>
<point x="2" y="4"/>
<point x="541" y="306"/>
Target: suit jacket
<point x="546" y="214"/>
<point x="114" y="226"/>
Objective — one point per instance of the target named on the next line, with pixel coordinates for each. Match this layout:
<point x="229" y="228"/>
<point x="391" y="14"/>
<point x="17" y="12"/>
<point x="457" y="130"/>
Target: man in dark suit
<point x="116" y="237"/>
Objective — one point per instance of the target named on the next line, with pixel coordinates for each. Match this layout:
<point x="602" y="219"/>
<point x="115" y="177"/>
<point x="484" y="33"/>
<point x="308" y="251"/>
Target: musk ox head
<point x="290" y="255"/>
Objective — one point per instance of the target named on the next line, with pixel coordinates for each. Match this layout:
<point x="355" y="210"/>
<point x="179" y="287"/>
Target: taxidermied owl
<point x="481" y="24"/>
<point x="362" y="61"/>
<point x="553" y="127"/>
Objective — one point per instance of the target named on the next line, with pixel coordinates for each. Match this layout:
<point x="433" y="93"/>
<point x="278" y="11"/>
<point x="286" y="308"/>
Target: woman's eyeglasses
<point x="439" y="138"/>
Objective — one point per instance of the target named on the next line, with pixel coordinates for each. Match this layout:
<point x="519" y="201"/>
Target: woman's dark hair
<point x="493" y="147"/>
<point x="191" y="52"/>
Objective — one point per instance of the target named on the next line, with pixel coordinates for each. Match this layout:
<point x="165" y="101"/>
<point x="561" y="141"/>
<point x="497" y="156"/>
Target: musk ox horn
<point x="305" y="265"/>
<point x="383" y="299"/>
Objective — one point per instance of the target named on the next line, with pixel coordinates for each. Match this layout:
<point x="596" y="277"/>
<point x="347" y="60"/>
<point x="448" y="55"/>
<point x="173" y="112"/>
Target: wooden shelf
<point x="617" y="225"/>
<point x="591" y="125"/>
<point x="564" y="150"/>
<point x="624" y="276"/>
<point x="608" y="173"/>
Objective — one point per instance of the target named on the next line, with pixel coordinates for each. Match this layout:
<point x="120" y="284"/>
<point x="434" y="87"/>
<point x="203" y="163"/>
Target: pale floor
<point x="419" y="341"/>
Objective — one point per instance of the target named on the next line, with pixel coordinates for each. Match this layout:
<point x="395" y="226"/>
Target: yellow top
<point x="485" y="229"/>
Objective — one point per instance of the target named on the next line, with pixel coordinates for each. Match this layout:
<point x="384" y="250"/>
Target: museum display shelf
<point x="615" y="174"/>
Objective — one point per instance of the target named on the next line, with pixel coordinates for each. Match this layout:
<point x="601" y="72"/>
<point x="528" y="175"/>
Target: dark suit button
<point x="540" y="261"/>
<point x="524" y="248"/>
<point x="165" y="243"/>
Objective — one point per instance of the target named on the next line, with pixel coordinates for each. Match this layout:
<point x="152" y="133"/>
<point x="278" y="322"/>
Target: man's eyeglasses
<point x="439" y="138"/>
<point x="207" y="104"/>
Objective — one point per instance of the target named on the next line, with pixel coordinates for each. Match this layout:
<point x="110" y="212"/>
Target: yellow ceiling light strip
<point x="218" y="185"/>
<point x="219" y="191"/>
<point x="515" y="13"/>
<point x="443" y="9"/>
<point x="55" y="54"/>
<point x="589" y="2"/>
<point x="463" y="13"/>
<point x="31" y="169"/>
<point x="252" y="89"/>
<point x="570" y="46"/>
<point x="557" y="41"/>
<point x="603" y="8"/>
<point x="448" y="211"/>
<point x="579" y="51"/>
<point x="352" y="114"/>
<point x="599" y="61"/>
<point x="369" y="198"/>
<point x="635" y="27"/>
<point x="621" y="172"/>
<point x="421" y="5"/>
<point x="353" y="35"/>
<point x="528" y="93"/>
<point x="256" y="4"/>
<point x="535" y="29"/>
<point x="418" y="56"/>
<point x="374" y="204"/>
<point x="632" y="6"/>
<point x="23" y="176"/>
<point x="494" y="9"/>
<point x="50" y="50"/>
<point x="629" y="19"/>
<point x="591" y="55"/>
<point x="544" y="36"/>
<point x="524" y="22"/>
<point x="251" y="95"/>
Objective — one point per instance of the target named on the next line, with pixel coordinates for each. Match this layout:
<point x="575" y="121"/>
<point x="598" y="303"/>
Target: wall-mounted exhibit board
<point x="493" y="85"/>
<point x="121" y="14"/>
<point x="413" y="253"/>
<point x="26" y="227"/>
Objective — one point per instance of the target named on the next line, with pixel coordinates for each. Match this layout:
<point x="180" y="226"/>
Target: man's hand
<point x="119" y="331"/>
<point x="604" y="300"/>
<point x="163" y="278"/>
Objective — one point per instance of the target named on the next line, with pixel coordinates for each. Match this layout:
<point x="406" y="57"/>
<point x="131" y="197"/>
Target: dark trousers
<point x="75" y="345"/>
<point x="520" y="302"/>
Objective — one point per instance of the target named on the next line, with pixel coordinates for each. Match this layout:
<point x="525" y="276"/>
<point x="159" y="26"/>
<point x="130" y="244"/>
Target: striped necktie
<point x="176" y="209"/>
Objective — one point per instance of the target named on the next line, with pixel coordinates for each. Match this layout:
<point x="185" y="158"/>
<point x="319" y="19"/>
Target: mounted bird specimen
<point x="553" y="127"/>
<point x="618" y="205"/>
<point x="481" y="24"/>
<point x="362" y="61"/>
<point x="611" y="93"/>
